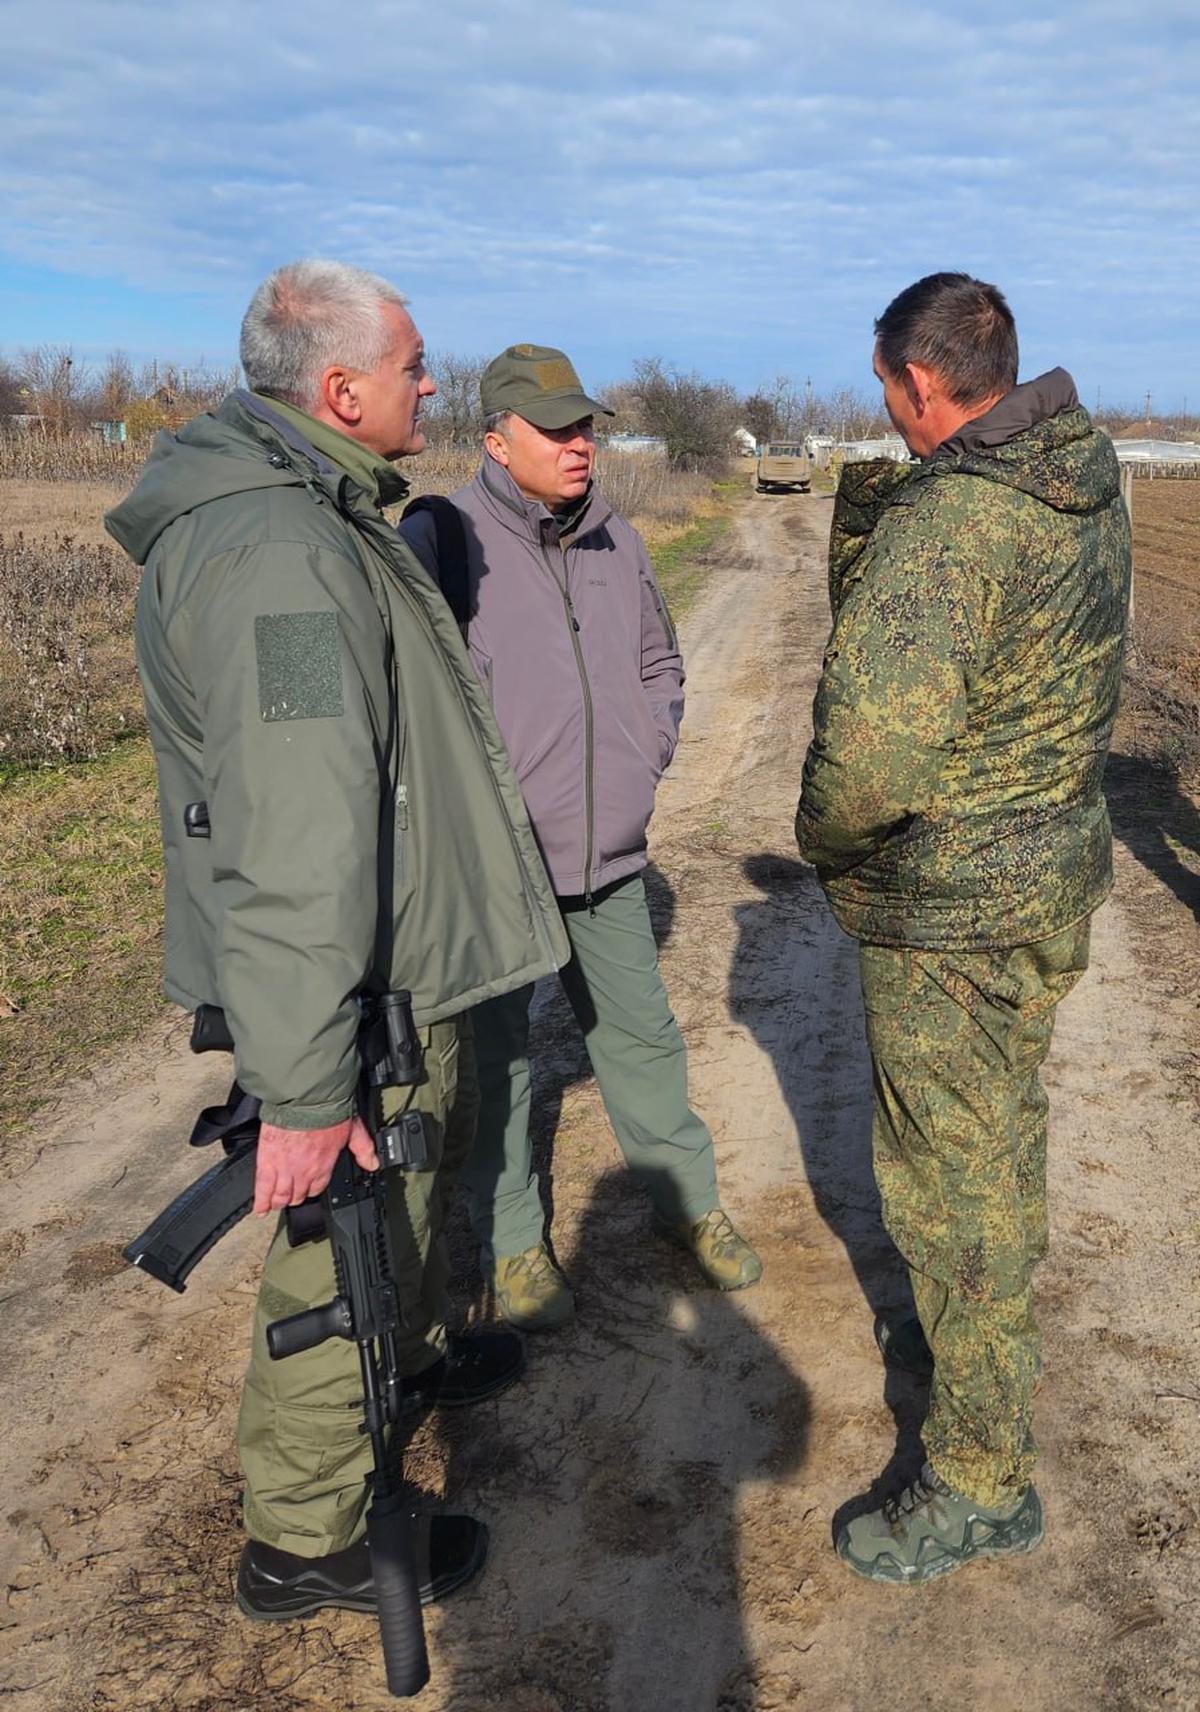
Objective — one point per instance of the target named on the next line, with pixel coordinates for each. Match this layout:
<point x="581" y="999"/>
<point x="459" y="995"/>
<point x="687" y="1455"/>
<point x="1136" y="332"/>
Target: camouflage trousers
<point x="957" y="1042"/>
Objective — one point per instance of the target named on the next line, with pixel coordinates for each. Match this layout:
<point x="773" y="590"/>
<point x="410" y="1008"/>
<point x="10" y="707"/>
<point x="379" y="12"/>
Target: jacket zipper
<point x="384" y="541"/>
<point x="589" y="809"/>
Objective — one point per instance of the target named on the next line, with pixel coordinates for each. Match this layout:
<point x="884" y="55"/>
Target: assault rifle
<point x="351" y="1214"/>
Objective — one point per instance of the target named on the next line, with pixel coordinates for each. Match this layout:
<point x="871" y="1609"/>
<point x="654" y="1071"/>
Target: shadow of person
<point x="1157" y="821"/>
<point x="794" y="983"/>
<point x="642" y="1490"/>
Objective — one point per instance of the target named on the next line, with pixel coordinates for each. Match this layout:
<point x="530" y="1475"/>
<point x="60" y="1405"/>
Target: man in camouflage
<point x="952" y="807"/>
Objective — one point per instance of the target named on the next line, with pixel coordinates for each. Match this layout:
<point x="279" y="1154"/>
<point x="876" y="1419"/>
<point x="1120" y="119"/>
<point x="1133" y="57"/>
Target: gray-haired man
<point x="304" y="678"/>
<point x="572" y="639"/>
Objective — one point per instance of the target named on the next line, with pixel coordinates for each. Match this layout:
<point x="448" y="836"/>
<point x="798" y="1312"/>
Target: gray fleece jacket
<point x="572" y="640"/>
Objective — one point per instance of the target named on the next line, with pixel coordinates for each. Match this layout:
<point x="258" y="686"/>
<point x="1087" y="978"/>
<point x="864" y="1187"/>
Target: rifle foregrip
<point x="397" y="1592"/>
<point x="308" y="1328"/>
<point x="183" y="1233"/>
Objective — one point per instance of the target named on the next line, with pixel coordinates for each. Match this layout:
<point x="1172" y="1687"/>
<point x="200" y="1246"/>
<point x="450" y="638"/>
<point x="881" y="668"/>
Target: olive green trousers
<point x="957" y="1042"/>
<point x="616" y="990"/>
<point x="304" y="1459"/>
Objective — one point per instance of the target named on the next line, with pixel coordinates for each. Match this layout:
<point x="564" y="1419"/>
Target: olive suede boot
<point x="928" y="1530"/>
<point x="723" y="1255"/>
<point x="531" y="1292"/>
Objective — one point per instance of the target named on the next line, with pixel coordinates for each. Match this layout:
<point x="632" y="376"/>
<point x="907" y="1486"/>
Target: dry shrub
<point x="647" y="490"/>
<point x="67" y="682"/>
<point x="69" y="457"/>
<point x="641" y="486"/>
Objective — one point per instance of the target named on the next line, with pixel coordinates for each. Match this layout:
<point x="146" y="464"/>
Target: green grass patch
<point x="681" y="563"/>
<point x="80" y="919"/>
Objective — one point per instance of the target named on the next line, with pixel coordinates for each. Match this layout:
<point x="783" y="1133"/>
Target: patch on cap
<point x="555" y="375"/>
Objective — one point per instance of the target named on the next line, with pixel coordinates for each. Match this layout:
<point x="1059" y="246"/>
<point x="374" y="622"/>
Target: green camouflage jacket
<point x="951" y="793"/>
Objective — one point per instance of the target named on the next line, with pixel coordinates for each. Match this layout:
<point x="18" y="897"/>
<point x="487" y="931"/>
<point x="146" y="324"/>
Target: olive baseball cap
<point x="538" y="383"/>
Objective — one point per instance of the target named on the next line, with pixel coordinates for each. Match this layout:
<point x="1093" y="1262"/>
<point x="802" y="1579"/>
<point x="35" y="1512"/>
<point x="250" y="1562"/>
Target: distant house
<point x="644" y="443"/>
<point x="863" y="451"/>
<point x="112" y="431"/>
<point x="745" y="442"/>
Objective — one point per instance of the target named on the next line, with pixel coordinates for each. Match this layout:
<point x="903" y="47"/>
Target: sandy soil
<point x="661" y="1489"/>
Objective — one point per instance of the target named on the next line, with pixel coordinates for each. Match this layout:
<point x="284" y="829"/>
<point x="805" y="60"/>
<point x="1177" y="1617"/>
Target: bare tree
<point x="11" y="401"/>
<point x="116" y="387"/>
<point x="453" y="416"/>
<point x="52" y="383"/>
<point x="759" y="415"/>
<point x="625" y="401"/>
<point x="695" y="418"/>
<point x="848" y="414"/>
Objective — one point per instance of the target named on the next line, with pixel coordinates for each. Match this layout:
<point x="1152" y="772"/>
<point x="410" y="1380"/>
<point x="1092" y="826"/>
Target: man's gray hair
<point x="497" y="422"/>
<point x="308" y="316"/>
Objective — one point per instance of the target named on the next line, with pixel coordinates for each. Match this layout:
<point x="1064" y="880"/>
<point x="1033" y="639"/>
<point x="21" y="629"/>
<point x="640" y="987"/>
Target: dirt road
<point x="661" y="1488"/>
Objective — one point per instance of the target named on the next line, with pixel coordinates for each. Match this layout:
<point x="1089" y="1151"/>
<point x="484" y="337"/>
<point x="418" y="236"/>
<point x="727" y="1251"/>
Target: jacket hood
<point x="243" y="445"/>
<point x="529" y="517"/>
<point x="1040" y="440"/>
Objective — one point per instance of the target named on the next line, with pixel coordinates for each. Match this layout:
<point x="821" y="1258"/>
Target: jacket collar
<point x="323" y="447"/>
<point x="1018" y="411"/>
<point x="529" y="517"/>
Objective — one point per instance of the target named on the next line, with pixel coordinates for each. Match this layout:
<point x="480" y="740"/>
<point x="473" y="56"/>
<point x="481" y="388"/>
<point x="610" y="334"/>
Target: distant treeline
<point x="47" y="389"/>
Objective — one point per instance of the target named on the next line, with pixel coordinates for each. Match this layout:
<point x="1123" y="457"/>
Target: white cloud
<point x="636" y="159"/>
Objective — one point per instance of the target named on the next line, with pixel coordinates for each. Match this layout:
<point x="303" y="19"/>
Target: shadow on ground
<point x="794" y="984"/>
<point x="623" y="1476"/>
<point x="1156" y="819"/>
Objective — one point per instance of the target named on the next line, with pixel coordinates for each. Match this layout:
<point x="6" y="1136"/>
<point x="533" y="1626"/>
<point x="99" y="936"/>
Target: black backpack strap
<point x="451" y="552"/>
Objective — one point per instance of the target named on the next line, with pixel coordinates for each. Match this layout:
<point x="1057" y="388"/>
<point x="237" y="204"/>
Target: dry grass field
<point x="1166" y="543"/>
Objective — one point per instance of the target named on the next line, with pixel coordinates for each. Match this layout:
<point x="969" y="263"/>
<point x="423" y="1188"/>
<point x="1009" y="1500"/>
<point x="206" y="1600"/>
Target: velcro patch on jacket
<point x="299" y="660"/>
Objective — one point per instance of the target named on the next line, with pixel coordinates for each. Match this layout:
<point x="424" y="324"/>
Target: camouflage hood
<point x="1039" y="440"/>
<point x="951" y="794"/>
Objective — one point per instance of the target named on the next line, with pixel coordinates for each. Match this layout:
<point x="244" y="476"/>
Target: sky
<point x="737" y="189"/>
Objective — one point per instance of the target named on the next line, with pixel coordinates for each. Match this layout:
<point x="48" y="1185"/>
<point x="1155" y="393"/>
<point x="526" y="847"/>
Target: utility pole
<point x="1147" y="408"/>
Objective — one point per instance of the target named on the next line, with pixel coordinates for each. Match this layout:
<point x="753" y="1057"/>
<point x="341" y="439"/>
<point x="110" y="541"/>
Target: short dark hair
<point x="959" y="327"/>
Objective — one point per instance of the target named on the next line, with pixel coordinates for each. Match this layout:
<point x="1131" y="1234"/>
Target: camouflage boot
<point x="725" y="1257"/>
<point x="928" y="1530"/>
<point x="530" y="1290"/>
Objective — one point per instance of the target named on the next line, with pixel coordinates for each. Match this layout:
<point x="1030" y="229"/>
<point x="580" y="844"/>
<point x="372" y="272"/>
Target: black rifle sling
<point x="452" y="577"/>
<point x="233" y="1124"/>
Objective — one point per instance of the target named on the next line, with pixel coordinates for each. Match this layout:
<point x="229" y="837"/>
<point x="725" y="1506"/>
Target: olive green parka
<point x="952" y="791"/>
<point x="304" y="678"/>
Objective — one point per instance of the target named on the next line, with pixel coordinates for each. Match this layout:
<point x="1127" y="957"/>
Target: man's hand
<point x="295" y="1164"/>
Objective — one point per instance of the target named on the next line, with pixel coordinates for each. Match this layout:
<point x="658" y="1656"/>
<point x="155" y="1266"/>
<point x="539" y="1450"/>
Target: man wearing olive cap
<point x="572" y="639"/>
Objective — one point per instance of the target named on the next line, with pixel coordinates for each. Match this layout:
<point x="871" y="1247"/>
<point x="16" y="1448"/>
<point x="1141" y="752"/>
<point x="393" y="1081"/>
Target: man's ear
<point x="496" y="446"/>
<point x="920" y="384"/>
<point x="339" y="395"/>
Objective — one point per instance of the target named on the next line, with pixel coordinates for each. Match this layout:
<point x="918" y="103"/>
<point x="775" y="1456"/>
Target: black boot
<point x="274" y="1585"/>
<point x="477" y="1365"/>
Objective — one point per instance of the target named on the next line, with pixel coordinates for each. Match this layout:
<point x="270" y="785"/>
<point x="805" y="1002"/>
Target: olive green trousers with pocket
<point x="304" y="1459"/>
<point x="957" y="1041"/>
